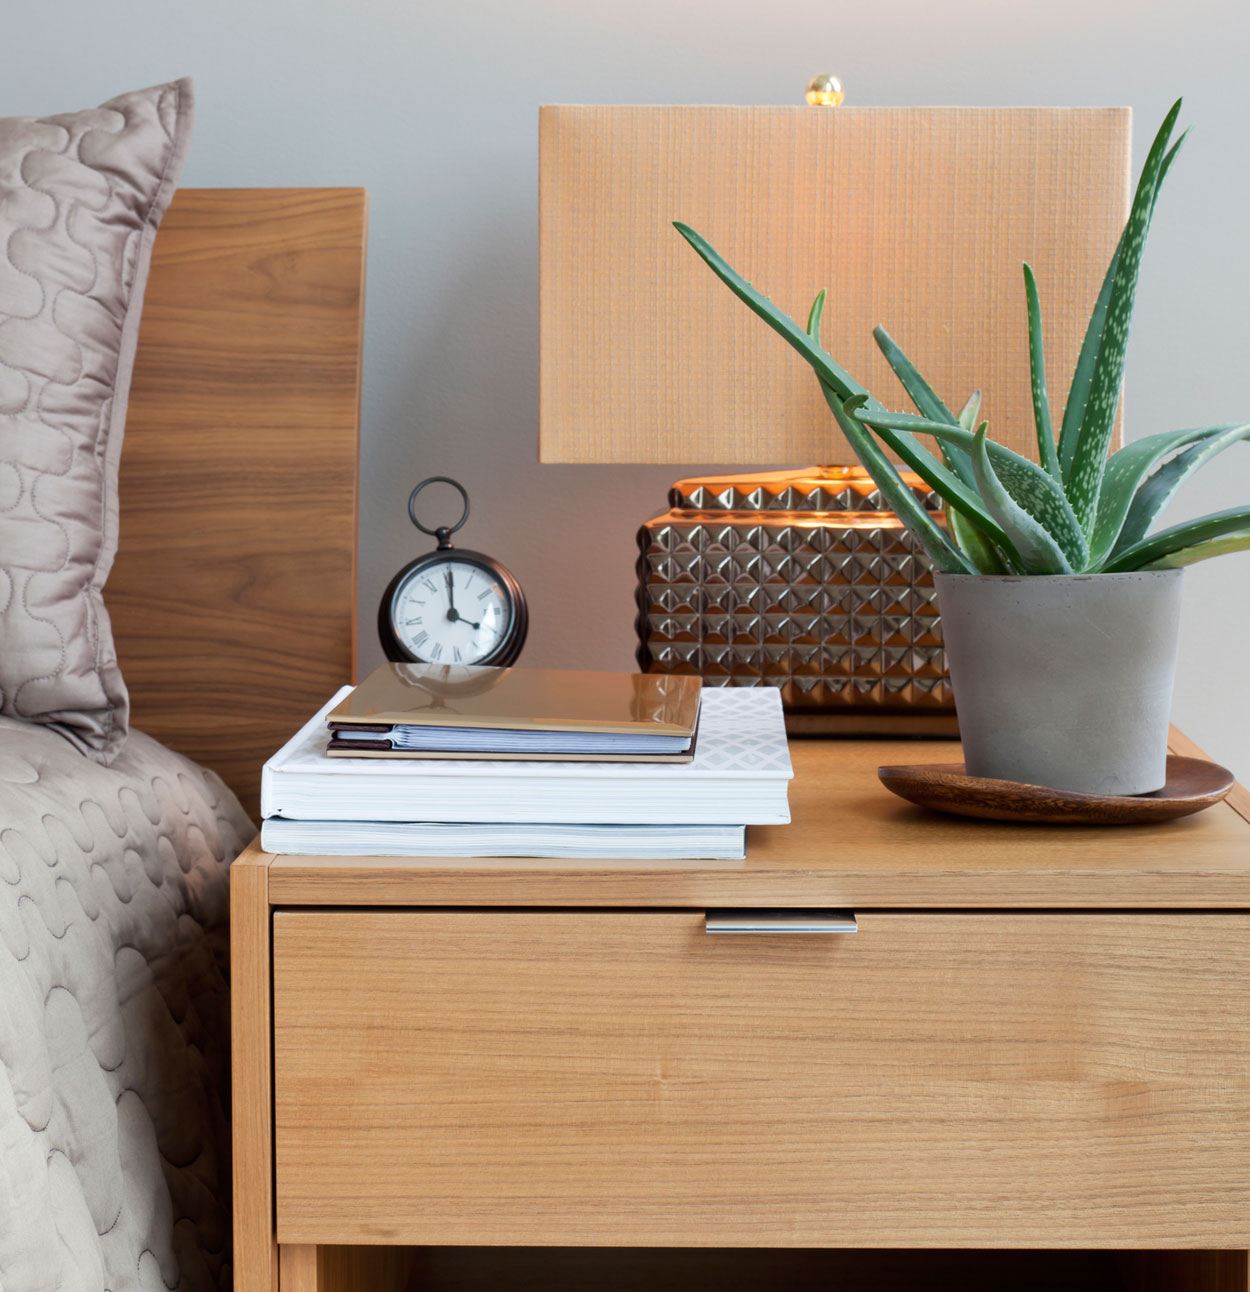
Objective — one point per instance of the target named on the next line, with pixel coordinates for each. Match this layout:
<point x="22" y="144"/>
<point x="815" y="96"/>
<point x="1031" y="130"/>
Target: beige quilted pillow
<point x="81" y="196"/>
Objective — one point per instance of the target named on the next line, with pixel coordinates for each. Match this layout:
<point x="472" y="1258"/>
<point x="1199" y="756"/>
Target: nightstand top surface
<point x="850" y="844"/>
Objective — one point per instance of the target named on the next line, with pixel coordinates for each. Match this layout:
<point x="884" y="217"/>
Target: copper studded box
<point x="804" y="581"/>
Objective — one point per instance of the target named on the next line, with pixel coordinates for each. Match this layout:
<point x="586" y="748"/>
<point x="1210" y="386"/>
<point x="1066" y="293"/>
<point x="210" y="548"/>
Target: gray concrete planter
<point x="1064" y="680"/>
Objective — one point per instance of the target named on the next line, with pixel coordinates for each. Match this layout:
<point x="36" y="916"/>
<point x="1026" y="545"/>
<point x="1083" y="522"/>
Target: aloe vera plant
<point x="1076" y="510"/>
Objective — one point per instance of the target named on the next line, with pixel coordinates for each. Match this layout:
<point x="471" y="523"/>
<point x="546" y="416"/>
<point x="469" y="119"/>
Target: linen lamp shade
<point x="917" y="219"/>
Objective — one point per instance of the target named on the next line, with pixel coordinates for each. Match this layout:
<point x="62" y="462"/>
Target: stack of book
<point x="486" y="762"/>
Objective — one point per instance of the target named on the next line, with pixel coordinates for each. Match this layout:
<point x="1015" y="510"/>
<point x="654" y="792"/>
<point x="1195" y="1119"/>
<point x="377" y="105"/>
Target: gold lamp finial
<point x="824" y="91"/>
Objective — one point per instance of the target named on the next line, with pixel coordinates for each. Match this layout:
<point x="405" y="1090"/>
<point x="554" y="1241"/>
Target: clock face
<point x="450" y="610"/>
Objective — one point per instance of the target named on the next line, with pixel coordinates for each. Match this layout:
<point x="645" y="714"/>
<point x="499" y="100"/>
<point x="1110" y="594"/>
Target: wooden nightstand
<point x="1038" y="1039"/>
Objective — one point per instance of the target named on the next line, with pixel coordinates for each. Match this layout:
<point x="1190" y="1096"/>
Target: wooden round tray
<point x="1192" y="785"/>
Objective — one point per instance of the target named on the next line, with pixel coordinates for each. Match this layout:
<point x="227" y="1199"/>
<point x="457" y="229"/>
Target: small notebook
<point x="447" y="711"/>
<point x="479" y="741"/>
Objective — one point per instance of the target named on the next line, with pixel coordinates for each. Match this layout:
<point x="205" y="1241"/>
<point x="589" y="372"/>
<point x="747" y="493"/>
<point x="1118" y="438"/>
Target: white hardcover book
<point x="468" y="839"/>
<point x="739" y="776"/>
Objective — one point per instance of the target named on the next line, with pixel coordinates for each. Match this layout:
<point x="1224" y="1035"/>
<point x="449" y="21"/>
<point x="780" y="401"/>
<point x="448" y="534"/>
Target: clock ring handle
<point x="444" y="532"/>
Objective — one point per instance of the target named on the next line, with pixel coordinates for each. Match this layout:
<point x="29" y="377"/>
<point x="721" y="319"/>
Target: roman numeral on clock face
<point x="421" y="639"/>
<point x="437" y="652"/>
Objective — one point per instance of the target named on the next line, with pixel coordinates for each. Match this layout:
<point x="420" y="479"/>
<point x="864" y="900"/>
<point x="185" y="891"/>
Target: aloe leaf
<point x="829" y="372"/>
<point x="1042" y="497"/>
<point x="926" y="399"/>
<point x="1089" y="453"/>
<point x="1039" y="553"/>
<point x="814" y="316"/>
<point x="1235" y="542"/>
<point x="1127" y="468"/>
<point x="1188" y="533"/>
<point x="958" y="462"/>
<point x="940" y="550"/>
<point x="1031" y="488"/>
<point x="970" y="411"/>
<point x="1156" y="492"/>
<point x="1078" y="392"/>
<point x="918" y="425"/>
<point x="969" y="540"/>
<point x="1047" y="454"/>
<point x="974" y="544"/>
<point x="940" y="478"/>
<point x="959" y="498"/>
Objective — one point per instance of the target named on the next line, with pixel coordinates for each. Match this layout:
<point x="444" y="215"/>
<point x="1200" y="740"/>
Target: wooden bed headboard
<point x="233" y="597"/>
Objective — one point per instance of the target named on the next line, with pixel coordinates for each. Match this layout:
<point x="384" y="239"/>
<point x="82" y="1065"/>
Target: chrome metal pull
<point x="779" y="921"/>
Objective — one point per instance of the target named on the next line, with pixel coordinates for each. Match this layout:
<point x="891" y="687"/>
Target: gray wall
<point x="433" y="108"/>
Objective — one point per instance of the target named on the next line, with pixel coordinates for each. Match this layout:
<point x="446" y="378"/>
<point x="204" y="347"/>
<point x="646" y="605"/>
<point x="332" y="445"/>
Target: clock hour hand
<point x="453" y="614"/>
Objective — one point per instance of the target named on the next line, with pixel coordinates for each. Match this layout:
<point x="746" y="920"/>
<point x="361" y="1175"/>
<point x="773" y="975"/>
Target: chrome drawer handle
<point x="779" y="921"/>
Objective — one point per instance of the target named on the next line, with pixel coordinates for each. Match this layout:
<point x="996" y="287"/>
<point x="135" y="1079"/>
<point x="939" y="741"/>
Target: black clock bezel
<point x="510" y="645"/>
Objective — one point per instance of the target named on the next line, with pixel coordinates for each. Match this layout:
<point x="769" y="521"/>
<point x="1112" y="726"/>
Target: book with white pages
<point x="739" y="775"/>
<point x="473" y="839"/>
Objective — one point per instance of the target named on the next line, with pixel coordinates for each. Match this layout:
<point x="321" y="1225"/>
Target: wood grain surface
<point x="233" y="595"/>
<point x="914" y="218"/>
<point x="935" y="1080"/>
<point x="297" y="1267"/>
<point x="255" y="1248"/>
<point x="1192" y="785"/>
<point x="850" y="844"/>
<point x="305" y="1268"/>
<point x="1239" y="796"/>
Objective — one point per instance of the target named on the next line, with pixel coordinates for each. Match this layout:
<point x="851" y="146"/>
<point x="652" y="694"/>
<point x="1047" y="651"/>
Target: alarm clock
<point x="452" y="606"/>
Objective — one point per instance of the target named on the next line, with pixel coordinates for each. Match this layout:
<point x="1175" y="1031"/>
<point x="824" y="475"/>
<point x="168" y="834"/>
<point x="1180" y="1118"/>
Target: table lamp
<point x="917" y="219"/>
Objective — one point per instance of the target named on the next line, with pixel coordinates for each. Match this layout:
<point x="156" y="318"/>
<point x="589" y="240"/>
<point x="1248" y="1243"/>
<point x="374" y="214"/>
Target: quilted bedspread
<point x="114" y="1017"/>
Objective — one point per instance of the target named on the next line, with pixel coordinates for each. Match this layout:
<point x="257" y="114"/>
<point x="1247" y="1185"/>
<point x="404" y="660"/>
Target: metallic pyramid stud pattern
<point x="836" y="610"/>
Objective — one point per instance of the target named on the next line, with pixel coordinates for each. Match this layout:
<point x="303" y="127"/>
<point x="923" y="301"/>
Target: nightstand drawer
<point x="626" y="1078"/>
